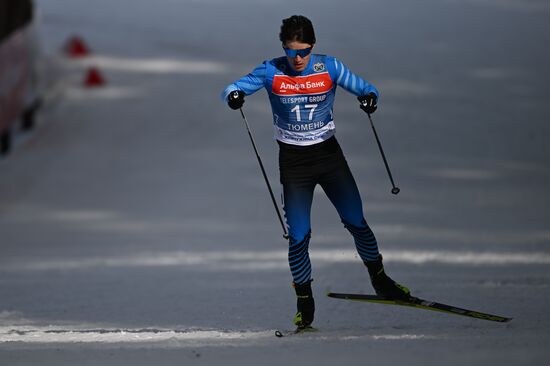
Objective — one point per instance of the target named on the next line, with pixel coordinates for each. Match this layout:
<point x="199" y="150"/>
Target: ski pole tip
<point x="395" y="190"/>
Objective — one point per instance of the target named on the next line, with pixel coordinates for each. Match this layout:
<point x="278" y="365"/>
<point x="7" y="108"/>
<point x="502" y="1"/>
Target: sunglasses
<point x="293" y="53"/>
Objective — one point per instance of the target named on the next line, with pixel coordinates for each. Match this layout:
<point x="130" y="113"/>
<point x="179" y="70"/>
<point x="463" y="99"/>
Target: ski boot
<point x="384" y="285"/>
<point x="305" y="305"/>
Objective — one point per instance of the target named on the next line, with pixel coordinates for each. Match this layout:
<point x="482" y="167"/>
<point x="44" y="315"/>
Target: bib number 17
<point x="308" y="107"/>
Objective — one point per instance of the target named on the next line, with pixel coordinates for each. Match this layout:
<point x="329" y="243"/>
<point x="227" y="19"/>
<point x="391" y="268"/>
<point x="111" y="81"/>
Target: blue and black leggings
<point x="301" y="169"/>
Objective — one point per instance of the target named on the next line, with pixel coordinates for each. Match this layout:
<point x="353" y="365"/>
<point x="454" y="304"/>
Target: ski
<point x="418" y="303"/>
<point x="299" y="330"/>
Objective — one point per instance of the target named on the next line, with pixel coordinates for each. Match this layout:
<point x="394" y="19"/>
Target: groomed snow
<point x="136" y="229"/>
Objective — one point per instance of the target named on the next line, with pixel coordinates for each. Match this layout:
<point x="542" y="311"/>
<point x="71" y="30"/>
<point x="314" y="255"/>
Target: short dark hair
<point x="297" y="28"/>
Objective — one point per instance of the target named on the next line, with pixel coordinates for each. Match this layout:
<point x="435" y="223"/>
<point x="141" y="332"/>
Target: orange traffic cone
<point x="76" y="47"/>
<point x="93" y="78"/>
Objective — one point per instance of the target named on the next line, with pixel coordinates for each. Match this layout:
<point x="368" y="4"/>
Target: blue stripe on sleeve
<point x="341" y="67"/>
<point x="249" y="83"/>
<point x="352" y="82"/>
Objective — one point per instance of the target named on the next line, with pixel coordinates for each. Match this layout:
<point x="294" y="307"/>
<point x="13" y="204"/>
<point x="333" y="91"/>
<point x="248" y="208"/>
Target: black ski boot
<point x="384" y="285"/>
<point x="305" y="305"/>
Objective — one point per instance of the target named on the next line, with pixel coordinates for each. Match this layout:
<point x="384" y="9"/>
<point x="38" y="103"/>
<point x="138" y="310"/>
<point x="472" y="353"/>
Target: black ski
<point x="418" y="303"/>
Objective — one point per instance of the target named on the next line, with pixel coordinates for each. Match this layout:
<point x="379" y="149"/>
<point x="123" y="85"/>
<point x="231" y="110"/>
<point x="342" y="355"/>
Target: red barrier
<point x="76" y="47"/>
<point x="94" y="78"/>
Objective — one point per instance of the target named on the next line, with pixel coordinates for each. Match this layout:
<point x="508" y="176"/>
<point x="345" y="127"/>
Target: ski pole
<point x="395" y="190"/>
<point x="285" y="233"/>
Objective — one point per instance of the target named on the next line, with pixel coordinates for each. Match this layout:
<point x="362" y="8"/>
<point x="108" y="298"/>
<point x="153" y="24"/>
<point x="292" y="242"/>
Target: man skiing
<point x="301" y="87"/>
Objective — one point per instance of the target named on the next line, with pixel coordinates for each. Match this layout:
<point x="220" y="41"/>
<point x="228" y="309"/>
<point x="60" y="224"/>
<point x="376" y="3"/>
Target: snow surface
<point x="136" y="229"/>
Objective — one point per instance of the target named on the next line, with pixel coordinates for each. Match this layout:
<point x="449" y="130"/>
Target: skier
<point x="301" y="87"/>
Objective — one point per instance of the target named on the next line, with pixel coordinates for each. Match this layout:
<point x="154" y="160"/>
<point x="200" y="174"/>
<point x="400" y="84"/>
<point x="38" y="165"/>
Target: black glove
<point x="368" y="102"/>
<point x="235" y="99"/>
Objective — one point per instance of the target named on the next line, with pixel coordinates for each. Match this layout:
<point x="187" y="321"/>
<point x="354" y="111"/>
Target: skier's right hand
<point x="235" y="99"/>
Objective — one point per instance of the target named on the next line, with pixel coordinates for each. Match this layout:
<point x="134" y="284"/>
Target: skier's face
<point x="298" y="62"/>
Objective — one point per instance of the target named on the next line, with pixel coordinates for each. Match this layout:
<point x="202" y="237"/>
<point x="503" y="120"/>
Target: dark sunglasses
<point x="293" y="53"/>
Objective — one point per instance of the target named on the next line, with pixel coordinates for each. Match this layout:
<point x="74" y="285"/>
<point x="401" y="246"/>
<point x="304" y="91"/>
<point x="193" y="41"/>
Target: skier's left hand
<point x="368" y="103"/>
